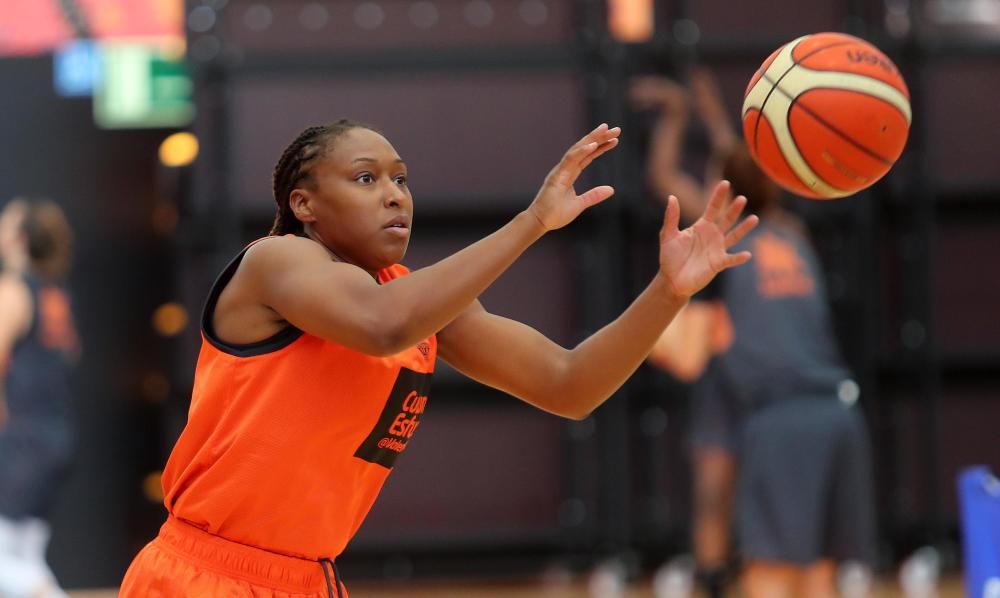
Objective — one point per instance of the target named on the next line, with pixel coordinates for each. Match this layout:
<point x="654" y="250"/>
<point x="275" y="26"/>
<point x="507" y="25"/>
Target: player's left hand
<point x="557" y="203"/>
<point x="690" y="258"/>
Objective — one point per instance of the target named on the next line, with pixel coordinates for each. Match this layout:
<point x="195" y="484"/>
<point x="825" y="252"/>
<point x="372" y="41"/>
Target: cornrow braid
<point x="293" y="168"/>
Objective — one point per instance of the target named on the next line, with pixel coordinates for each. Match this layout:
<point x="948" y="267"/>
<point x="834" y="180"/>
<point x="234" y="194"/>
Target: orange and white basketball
<point x="826" y="115"/>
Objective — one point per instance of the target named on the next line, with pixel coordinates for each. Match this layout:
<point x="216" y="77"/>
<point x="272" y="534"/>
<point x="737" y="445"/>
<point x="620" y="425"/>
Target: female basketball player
<point x="760" y="345"/>
<point x="319" y="347"/>
<point x="38" y="345"/>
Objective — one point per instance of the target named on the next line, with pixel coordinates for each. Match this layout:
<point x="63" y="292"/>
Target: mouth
<point x="398" y="226"/>
<point x="399" y="222"/>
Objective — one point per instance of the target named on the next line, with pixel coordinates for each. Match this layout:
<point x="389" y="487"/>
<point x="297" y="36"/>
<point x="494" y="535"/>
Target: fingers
<point x="596" y="195"/>
<point x="590" y="142"/>
<point x="733" y="213"/>
<point x="598" y="152"/>
<point x="583" y="152"/>
<point x="671" y="217"/>
<point x="602" y="134"/>
<point x="584" y="146"/>
<point x="575" y="154"/>
<point x="736" y="235"/>
<point x="736" y="259"/>
<point x="720" y="196"/>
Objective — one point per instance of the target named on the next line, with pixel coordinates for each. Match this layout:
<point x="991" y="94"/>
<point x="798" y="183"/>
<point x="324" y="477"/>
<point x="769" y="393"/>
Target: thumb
<point x="596" y="195"/>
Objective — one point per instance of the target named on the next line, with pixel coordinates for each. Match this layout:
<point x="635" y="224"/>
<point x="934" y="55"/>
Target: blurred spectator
<point x="38" y="346"/>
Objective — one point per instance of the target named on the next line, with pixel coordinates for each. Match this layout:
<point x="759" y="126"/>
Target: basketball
<point x="826" y="115"/>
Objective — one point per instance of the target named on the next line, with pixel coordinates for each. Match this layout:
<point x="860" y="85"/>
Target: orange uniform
<point x="287" y="445"/>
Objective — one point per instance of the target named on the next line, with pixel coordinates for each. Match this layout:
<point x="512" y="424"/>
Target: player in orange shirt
<point x="318" y="350"/>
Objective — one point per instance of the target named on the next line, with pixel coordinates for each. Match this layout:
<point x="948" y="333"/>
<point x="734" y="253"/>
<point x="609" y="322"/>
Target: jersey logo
<point x="781" y="271"/>
<point x="399" y="420"/>
<point x="425" y="348"/>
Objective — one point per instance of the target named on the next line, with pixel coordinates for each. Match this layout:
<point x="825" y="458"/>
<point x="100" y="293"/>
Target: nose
<point x="395" y="196"/>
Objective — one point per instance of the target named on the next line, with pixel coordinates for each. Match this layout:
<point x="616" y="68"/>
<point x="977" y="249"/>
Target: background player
<point x="38" y="346"/>
<point x="713" y="428"/>
<point x="771" y="386"/>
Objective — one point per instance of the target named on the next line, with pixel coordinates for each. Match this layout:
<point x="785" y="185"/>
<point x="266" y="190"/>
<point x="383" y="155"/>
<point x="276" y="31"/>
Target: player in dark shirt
<point x="773" y="405"/>
<point x="38" y="346"/>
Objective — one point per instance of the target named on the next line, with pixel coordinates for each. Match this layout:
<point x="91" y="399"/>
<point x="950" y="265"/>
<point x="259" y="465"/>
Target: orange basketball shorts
<point x="186" y="561"/>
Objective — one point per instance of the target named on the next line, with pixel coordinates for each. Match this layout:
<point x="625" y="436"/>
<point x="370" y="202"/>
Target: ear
<point x="301" y="203"/>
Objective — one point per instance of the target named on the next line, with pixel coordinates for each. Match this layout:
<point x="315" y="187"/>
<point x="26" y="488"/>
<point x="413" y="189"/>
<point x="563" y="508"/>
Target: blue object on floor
<point x="979" y="498"/>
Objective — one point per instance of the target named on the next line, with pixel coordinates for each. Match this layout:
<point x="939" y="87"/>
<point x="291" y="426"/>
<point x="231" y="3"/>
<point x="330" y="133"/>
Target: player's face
<point x="361" y="203"/>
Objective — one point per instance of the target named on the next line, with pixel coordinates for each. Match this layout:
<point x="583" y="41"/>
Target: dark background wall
<point x="481" y="112"/>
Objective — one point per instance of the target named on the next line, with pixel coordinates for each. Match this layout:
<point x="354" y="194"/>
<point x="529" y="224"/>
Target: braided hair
<point x="293" y="169"/>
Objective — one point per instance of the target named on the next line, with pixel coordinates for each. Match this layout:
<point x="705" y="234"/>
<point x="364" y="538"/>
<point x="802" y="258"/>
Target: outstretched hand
<point x="657" y="92"/>
<point x="690" y="258"/>
<point x="706" y="96"/>
<point x="557" y="203"/>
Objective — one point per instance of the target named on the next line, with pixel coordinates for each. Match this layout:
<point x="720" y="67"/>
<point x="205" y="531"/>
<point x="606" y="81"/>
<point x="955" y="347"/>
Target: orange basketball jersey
<point x="289" y="440"/>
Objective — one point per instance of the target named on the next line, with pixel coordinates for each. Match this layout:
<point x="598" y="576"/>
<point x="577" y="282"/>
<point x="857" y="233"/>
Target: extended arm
<point x="522" y="362"/>
<point x="341" y="303"/>
<point x="517" y="359"/>
<point x="707" y="100"/>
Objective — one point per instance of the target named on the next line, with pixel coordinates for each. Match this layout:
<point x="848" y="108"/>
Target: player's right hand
<point x="557" y="203"/>
<point x="690" y="258"/>
<point x="658" y="92"/>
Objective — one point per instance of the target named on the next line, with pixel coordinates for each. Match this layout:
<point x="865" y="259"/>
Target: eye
<point x="365" y="178"/>
<point x="400" y="179"/>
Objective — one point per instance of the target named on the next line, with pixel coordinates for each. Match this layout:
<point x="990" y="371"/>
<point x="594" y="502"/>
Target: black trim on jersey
<point x="278" y="340"/>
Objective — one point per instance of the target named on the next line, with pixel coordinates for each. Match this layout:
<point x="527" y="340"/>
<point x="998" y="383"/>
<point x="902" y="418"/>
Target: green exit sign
<point x="143" y="85"/>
